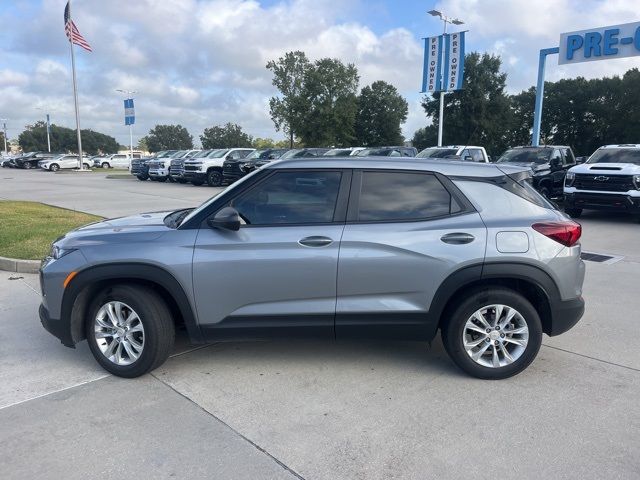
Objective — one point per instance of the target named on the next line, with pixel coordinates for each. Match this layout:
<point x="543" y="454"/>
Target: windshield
<point x="526" y="155"/>
<point x="437" y="152"/>
<point x="202" y="154"/>
<point x="256" y="154"/>
<point x="338" y="152"/>
<point x="291" y="154"/>
<point x="218" y="153"/>
<point x="374" y="152"/>
<point x="166" y="153"/>
<point x="616" y="155"/>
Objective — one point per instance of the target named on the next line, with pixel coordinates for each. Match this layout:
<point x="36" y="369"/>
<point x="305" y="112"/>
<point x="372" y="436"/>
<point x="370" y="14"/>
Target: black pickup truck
<point x="548" y="163"/>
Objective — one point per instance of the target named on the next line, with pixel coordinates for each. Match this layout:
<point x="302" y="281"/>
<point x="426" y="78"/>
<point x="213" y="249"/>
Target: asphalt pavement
<point x="315" y="409"/>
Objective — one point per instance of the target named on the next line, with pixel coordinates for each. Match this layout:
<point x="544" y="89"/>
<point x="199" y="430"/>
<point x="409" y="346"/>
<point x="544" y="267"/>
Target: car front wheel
<point x="214" y="178"/>
<point x="54" y="167"/>
<point x="105" y="165"/>
<point x="130" y="330"/>
<point x="494" y="333"/>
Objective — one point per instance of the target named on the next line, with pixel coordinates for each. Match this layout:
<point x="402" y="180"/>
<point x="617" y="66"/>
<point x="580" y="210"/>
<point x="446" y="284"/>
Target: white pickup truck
<point x="209" y="169"/>
<point x="467" y="153"/>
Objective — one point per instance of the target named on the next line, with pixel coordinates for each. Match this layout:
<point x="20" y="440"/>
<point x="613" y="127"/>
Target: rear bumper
<point x="55" y="327"/>
<point x="602" y="201"/>
<point x="565" y="314"/>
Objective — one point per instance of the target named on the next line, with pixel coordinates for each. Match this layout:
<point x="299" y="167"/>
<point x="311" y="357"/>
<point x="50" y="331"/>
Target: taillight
<point x="567" y="233"/>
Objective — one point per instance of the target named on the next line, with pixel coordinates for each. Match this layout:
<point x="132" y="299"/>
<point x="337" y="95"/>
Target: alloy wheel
<point x="495" y="336"/>
<point x="119" y="333"/>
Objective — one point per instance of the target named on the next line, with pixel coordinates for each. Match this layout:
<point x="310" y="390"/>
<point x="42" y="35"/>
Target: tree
<point x="142" y="144"/>
<point x="480" y="113"/>
<point x="169" y="137"/>
<point x="425" y="137"/>
<point x="225" y="136"/>
<point x="331" y="88"/>
<point x="287" y="110"/>
<point x="381" y="111"/>
<point x="63" y="140"/>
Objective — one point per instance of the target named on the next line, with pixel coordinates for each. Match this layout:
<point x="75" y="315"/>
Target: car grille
<point x="176" y="167"/>
<point x="191" y="168"/>
<point x="604" y="182"/>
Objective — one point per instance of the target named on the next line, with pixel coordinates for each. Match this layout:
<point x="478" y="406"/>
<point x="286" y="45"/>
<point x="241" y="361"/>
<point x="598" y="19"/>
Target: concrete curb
<point x="19" y="266"/>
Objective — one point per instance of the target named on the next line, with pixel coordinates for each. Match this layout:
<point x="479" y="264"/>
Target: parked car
<point x="176" y="166"/>
<point x="343" y="152"/>
<point x="8" y="162"/>
<point x="330" y="248"/>
<point x="117" y="160"/>
<point x="59" y="162"/>
<point x="609" y="180"/>
<point x="209" y="168"/>
<point x="234" y="169"/>
<point x="466" y="153"/>
<point x="140" y="167"/>
<point x="388" y="152"/>
<point x="159" y="167"/>
<point x="548" y="163"/>
<point x="31" y="159"/>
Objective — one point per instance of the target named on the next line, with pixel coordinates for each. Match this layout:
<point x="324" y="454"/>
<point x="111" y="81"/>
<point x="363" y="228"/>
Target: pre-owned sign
<point x="617" y="41"/>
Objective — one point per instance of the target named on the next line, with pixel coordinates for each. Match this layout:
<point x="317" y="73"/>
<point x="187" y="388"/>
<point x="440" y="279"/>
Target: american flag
<point x="73" y="34"/>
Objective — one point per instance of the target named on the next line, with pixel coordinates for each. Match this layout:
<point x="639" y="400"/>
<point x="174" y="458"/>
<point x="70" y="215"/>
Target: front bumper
<point x="55" y="327"/>
<point x="198" y="176"/>
<point x="565" y="314"/>
<point x="603" y="201"/>
<point x="158" y="172"/>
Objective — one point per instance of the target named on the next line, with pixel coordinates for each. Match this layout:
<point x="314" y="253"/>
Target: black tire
<point x="142" y="178"/>
<point x="453" y="332"/>
<point x="196" y="183"/>
<point x="105" y="165"/>
<point x="214" y="178"/>
<point x="54" y="167"/>
<point x="86" y="166"/>
<point x="573" y="212"/>
<point x="159" y="329"/>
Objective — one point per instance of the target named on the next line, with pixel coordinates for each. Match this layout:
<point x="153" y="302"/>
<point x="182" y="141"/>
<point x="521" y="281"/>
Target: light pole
<point x="445" y="20"/>
<point x="128" y="93"/>
<point x="4" y="129"/>
<point x="48" y="128"/>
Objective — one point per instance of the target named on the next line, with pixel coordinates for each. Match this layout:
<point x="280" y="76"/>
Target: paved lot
<point x="318" y="410"/>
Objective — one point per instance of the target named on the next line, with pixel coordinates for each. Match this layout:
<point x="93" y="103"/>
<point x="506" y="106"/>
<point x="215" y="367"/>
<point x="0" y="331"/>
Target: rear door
<point x="406" y="232"/>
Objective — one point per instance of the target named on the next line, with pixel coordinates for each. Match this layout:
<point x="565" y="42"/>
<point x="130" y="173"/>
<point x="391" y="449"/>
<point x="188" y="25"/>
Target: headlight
<point x="569" y="179"/>
<point x="58" y="252"/>
<point x="636" y="181"/>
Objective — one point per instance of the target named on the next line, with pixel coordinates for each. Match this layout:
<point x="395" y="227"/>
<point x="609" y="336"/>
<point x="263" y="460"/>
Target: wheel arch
<point x="530" y="281"/>
<point x="84" y="285"/>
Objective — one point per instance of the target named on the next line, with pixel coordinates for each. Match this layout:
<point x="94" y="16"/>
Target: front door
<point x="277" y="274"/>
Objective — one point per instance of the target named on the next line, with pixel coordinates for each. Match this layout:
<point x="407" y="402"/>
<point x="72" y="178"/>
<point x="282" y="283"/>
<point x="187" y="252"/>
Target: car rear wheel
<point x="495" y="333"/>
<point x="573" y="212"/>
<point x="54" y="167"/>
<point x="105" y="165"/>
<point x="130" y="330"/>
<point x="142" y="178"/>
<point x="214" y="178"/>
<point x="86" y="166"/>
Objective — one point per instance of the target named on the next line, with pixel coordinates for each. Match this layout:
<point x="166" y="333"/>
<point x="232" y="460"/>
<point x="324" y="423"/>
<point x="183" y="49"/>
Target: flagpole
<point x="75" y="98"/>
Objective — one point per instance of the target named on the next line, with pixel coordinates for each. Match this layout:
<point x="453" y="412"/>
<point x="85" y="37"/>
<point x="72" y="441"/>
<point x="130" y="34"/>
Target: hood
<point x="536" y="167"/>
<point x="144" y="227"/>
<point x="607" y="168"/>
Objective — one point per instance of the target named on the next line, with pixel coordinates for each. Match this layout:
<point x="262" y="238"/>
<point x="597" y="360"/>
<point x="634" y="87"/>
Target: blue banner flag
<point x="432" y="69"/>
<point x="453" y="61"/>
<point x="129" y="112"/>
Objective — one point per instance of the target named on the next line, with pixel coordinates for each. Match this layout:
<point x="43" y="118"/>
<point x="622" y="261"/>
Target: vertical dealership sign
<point x="443" y="69"/>
<point x="129" y="112"/>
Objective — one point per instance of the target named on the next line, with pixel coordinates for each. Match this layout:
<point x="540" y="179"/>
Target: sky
<point x="202" y="62"/>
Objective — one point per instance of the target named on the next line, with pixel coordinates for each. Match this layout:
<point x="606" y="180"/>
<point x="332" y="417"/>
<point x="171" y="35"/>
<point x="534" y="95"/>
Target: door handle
<point x="315" y="241"/>
<point x="458" y="238"/>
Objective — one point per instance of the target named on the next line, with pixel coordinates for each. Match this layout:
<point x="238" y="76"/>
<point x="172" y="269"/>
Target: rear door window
<point x="403" y="196"/>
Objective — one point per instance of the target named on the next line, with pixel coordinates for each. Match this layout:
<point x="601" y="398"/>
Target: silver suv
<point x="348" y="247"/>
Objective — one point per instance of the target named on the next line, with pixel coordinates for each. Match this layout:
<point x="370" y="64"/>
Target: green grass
<point x="28" y="228"/>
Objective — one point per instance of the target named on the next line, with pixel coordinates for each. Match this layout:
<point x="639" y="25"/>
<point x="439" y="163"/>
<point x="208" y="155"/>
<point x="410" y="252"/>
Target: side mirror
<point x="468" y="158"/>
<point x="580" y="160"/>
<point x="556" y="163"/>
<point x="228" y="219"/>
